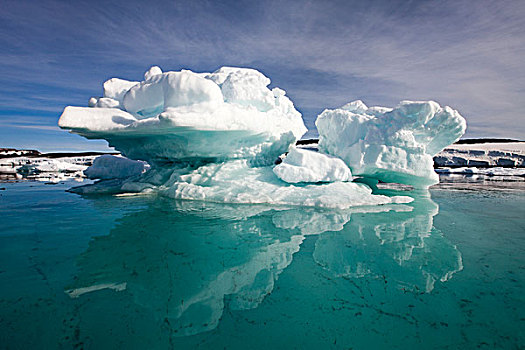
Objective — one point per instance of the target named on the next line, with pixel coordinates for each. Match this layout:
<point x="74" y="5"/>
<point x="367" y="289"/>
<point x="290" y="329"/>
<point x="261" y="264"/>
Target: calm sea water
<point x="447" y="271"/>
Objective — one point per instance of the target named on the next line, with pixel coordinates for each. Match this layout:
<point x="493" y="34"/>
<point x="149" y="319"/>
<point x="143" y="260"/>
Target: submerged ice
<point x="217" y="136"/>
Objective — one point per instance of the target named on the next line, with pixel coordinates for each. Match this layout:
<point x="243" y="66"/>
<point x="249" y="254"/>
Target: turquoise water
<point x="447" y="271"/>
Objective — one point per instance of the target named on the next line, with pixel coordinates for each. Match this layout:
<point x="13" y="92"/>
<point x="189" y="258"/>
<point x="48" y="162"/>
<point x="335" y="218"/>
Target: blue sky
<point x="466" y="54"/>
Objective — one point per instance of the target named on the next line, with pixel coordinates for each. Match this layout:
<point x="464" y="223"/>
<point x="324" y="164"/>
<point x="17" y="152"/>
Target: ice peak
<point x="154" y="70"/>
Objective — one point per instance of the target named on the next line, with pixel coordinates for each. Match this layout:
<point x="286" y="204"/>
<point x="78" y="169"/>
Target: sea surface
<point x="143" y="272"/>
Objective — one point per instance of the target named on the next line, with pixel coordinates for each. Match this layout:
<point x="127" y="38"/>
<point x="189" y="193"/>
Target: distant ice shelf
<point x="22" y="164"/>
<point x="482" y="155"/>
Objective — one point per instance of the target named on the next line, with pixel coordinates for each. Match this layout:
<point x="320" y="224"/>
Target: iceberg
<point x="218" y="136"/>
<point x="390" y="144"/>
<point x="181" y="116"/>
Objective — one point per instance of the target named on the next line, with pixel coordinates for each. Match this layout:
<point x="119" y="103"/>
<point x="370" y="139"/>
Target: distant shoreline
<point x="32" y="153"/>
<point x="460" y="142"/>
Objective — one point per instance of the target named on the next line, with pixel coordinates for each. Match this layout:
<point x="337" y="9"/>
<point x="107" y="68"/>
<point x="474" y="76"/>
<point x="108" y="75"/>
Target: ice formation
<point x="180" y="116"/>
<point x="390" y="144"/>
<point x="237" y="182"/>
<point x="216" y="136"/>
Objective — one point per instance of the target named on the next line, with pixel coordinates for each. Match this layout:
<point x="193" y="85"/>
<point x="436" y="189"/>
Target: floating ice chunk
<point x="237" y="182"/>
<point x="214" y="137"/>
<point x="392" y="145"/>
<point x="112" y="167"/>
<point x="482" y="155"/>
<point x="302" y="165"/>
<point x="75" y="293"/>
<point x="155" y="70"/>
<point x="494" y="171"/>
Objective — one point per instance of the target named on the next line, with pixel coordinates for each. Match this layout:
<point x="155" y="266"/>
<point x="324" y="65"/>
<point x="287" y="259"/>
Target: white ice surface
<point x="95" y="119"/>
<point x="301" y="165"/>
<point x="392" y="145"/>
<point x="55" y="165"/>
<point x="116" y="88"/>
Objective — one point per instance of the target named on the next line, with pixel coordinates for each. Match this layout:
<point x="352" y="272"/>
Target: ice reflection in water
<point x="400" y="246"/>
<point x="183" y="262"/>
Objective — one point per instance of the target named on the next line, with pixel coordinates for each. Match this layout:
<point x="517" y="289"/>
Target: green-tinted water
<point x="147" y="272"/>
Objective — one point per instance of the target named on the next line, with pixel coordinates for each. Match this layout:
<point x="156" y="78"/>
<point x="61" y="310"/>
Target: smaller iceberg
<point x="390" y="144"/>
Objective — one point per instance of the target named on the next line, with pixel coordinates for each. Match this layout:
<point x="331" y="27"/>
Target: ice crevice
<point x="216" y="137"/>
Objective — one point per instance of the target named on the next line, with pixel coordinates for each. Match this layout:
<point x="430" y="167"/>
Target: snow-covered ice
<point x="390" y="144"/>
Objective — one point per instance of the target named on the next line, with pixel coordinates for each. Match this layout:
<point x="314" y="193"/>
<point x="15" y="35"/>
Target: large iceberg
<point x="217" y="137"/>
<point x="181" y="116"/>
<point x="390" y="144"/>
